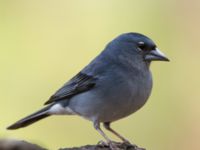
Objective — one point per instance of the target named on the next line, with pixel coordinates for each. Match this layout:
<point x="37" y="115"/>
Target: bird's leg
<point x="109" y="141"/>
<point x="97" y="127"/>
<point x="107" y="126"/>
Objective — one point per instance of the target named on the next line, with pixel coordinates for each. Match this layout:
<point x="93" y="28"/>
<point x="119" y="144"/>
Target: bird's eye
<point x="141" y="45"/>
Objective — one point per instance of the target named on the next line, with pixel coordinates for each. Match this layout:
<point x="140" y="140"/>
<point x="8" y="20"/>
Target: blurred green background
<point x="43" y="43"/>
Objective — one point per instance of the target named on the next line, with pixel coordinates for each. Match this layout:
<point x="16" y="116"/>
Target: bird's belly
<point x="118" y="100"/>
<point x="126" y="101"/>
<point x="122" y="108"/>
<point x="108" y="107"/>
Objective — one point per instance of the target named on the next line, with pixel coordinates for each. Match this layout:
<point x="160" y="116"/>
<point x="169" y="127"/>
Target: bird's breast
<point x="132" y="93"/>
<point x="142" y="85"/>
<point x="126" y="95"/>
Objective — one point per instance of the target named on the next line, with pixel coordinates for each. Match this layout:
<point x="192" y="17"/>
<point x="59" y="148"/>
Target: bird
<point x="114" y="85"/>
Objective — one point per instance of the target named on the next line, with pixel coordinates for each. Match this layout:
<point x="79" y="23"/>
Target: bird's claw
<point x="126" y="142"/>
<point x="114" y="145"/>
<point x="102" y="143"/>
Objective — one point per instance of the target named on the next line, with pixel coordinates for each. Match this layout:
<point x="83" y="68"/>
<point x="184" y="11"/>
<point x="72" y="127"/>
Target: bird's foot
<point x="111" y="144"/>
<point x="126" y="142"/>
<point x="114" y="145"/>
<point x="102" y="143"/>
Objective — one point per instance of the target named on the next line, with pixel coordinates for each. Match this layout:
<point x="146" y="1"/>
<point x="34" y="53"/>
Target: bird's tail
<point x="43" y="113"/>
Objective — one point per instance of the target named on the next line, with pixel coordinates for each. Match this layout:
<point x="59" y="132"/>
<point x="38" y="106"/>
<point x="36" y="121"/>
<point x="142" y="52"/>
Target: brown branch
<point x="120" y="146"/>
<point x="9" y="144"/>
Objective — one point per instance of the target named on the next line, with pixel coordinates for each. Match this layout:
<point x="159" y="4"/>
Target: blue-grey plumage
<point x="114" y="85"/>
<point x="116" y="94"/>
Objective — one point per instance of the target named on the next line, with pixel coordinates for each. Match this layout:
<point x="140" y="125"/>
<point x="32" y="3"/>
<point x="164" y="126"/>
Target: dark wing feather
<point x="78" y="84"/>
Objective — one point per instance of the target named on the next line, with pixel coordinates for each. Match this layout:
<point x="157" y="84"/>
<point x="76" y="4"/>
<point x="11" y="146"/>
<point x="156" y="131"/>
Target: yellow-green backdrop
<point x="43" y="43"/>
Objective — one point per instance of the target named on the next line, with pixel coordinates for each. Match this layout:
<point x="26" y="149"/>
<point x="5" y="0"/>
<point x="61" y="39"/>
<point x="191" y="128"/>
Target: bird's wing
<point x="78" y="84"/>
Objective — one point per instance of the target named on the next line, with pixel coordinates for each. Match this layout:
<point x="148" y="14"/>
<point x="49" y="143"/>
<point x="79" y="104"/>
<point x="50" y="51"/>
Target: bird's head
<point x="137" y="45"/>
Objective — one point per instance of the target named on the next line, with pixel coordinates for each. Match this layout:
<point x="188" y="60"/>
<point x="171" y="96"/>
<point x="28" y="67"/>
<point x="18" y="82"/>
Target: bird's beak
<point x="155" y="55"/>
